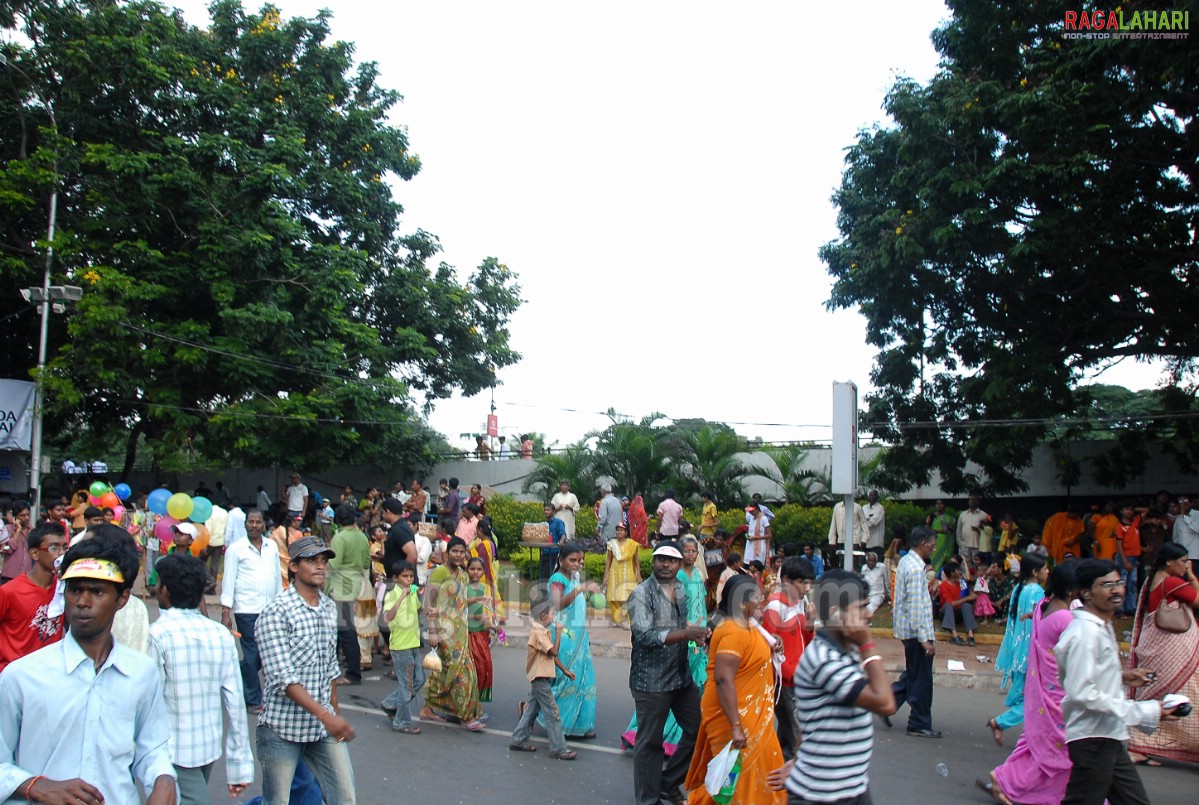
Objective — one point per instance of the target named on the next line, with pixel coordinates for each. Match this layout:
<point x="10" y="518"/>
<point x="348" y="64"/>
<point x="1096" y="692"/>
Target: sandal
<point x="988" y="784"/>
<point x="522" y="747"/>
<point x="567" y="755"/>
<point x="996" y="731"/>
<point x="431" y="717"/>
<point x="406" y="730"/>
<point x="474" y="726"/>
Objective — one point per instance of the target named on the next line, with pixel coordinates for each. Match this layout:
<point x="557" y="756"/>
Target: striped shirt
<point x="838" y="736"/>
<point x="298" y="646"/>
<point x="913" y="615"/>
<point x="197" y="660"/>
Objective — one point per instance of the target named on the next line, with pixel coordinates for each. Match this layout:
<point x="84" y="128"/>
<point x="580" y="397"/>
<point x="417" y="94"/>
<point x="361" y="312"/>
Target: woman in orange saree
<point x="738" y="701"/>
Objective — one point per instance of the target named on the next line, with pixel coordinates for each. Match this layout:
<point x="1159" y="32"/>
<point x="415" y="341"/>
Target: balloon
<point x="157" y="501"/>
<point x="180" y="505"/>
<point x="110" y="500"/>
<point x="98" y="488"/>
<point x="201" y="540"/>
<point x="92" y="499"/>
<point x="118" y="512"/>
<point x="201" y="509"/>
<point x="123" y="491"/>
<point x="598" y="601"/>
<point x="162" y="530"/>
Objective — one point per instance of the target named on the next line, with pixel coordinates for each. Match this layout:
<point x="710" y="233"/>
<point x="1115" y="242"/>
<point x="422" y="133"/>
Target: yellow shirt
<point x="708" y="521"/>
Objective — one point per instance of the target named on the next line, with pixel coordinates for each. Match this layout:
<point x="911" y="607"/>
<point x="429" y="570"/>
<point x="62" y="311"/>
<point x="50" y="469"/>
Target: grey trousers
<point x="541" y="700"/>
<point x="650" y="779"/>
<point x="193" y="785"/>
<point x="948" y="614"/>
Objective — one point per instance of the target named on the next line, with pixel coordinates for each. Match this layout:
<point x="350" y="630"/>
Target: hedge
<point x="526" y="560"/>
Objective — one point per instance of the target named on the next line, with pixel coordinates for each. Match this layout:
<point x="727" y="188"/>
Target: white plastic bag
<point x="432" y="662"/>
<point x="723" y="770"/>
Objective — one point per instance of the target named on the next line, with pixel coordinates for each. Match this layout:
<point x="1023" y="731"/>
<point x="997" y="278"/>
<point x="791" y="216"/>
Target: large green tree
<point x="1028" y="218"/>
<point x="224" y="201"/>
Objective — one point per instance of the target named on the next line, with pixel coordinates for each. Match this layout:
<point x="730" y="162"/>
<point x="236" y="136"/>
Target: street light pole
<point x="35" y="471"/>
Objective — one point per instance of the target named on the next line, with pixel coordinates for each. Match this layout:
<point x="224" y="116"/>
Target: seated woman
<point x="957" y="603"/>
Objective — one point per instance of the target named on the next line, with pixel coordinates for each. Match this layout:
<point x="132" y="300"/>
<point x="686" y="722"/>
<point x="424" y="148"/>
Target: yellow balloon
<point x="179" y="505"/>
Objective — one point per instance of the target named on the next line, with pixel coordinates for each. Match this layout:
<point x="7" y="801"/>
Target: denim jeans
<point x="1129" y="578"/>
<point x="328" y="759"/>
<point x="541" y="700"/>
<point x="249" y="659"/>
<point x="405" y="661"/>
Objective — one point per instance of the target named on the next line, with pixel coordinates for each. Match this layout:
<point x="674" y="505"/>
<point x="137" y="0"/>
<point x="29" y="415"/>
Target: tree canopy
<point x="1028" y="219"/>
<point x="223" y="199"/>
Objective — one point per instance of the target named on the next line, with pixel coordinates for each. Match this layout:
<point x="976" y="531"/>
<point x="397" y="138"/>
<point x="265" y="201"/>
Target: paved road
<point x="448" y="765"/>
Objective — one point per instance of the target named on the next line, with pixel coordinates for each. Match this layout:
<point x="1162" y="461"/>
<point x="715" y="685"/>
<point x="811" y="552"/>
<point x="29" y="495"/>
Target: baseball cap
<point x="668" y="549"/>
<point x="308" y="547"/>
<point x="186" y="528"/>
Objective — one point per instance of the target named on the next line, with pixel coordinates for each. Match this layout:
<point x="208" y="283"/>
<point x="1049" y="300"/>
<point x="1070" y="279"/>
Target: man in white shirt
<point x="876" y="581"/>
<point x="970" y="528"/>
<point x="876" y="521"/>
<point x="296" y="497"/>
<point x="566" y="506"/>
<point x="195" y="659"/>
<point x="836" y="526"/>
<point x="235" y="524"/>
<point x="1096" y="712"/>
<point x="251" y="581"/>
<point x="504" y="452"/>
<point x="1186" y="527"/>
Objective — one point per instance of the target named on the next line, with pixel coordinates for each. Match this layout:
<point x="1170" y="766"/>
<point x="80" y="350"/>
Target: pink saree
<point x="1038" y="769"/>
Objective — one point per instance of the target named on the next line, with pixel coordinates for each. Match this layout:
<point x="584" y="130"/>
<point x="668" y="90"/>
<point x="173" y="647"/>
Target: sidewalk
<point x="609" y="641"/>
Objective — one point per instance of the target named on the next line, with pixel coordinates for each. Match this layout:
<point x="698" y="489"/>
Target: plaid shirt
<point x="197" y="660"/>
<point x="298" y="646"/>
<point x="913" y="607"/>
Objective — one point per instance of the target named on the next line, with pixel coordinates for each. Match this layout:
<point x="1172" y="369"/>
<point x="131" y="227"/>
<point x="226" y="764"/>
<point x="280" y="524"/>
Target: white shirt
<point x="876" y="524"/>
<point x="235" y="525"/>
<point x="216" y="524"/>
<point x="252" y="578"/>
<point x="131" y="626"/>
<point x="197" y="662"/>
<point x="1088" y="666"/>
<point x="424" y="550"/>
<point x="570" y="505"/>
<point x="504" y="454"/>
<point x="1186" y="533"/>
<point x="860" y="531"/>
<point x="967" y="522"/>
<point x="876" y="581"/>
<point x="297" y="497"/>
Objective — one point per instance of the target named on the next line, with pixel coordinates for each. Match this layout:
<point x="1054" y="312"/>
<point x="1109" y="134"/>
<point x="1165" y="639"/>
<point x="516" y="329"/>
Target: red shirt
<point x="1175" y="589"/>
<point x="24" y="625"/>
<point x="790" y="624"/>
<point x="1130" y="536"/>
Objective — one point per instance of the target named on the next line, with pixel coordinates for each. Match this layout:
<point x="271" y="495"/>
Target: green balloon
<point x="98" y="488"/>
<point x="598" y="601"/>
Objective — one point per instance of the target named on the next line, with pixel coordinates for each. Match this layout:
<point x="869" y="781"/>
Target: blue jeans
<point x="328" y="759"/>
<point x="541" y="700"/>
<point x="249" y="659"/>
<point x="405" y="661"/>
<point x="1129" y="577"/>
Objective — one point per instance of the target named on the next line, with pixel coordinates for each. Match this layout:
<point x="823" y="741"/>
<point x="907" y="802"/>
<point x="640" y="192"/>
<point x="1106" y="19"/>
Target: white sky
<point x="658" y="173"/>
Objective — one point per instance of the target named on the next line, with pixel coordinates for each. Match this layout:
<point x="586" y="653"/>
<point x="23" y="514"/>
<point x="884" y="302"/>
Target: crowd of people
<point x="770" y="656"/>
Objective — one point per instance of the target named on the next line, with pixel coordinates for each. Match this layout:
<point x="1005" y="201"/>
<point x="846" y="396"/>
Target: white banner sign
<point x="16" y="414"/>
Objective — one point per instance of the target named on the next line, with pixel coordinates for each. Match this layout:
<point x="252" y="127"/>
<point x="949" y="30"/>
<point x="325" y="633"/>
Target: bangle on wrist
<point x="866" y="646"/>
<point x="29" y="787"/>
<point x="870" y="659"/>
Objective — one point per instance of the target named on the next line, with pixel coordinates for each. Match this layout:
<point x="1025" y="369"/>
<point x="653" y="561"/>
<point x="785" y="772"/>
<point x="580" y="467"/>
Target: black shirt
<point x="399" y="535"/>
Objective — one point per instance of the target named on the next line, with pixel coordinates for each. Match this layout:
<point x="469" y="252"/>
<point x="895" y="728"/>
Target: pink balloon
<point x="162" y="529"/>
<point x="118" y="511"/>
<point x="92" y="499"/>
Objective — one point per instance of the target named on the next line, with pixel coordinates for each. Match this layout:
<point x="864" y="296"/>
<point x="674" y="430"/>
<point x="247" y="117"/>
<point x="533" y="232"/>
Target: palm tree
<point x="574" y="464"/>
<point x="805" y="487"/>
<point x="707" y="460"/>
<point x="636" y="455"/>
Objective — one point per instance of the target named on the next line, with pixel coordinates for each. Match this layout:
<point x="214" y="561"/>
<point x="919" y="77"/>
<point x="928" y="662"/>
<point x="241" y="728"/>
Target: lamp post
<point x="44" y="297"/>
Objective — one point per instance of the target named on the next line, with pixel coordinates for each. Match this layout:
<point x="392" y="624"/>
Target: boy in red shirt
<point x="1128" y="554"/>
<point x="25" y="625"/>
<point x="786" y="616"/>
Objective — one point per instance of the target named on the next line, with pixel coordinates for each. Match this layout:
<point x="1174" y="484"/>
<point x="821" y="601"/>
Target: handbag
<point x="1172" y="617"/>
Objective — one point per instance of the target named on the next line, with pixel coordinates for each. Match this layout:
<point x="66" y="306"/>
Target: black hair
<point x="1030" y="563"/>
<point x="455" y="542"/>
<point x="393" y="506"/>
<point x="730" y="591"/>
<point x="951" y="568"/>
<point x="734" y="558"/>
<point x="470" y="507"/>
<point x="541" y="607"/>
<point x="19" y="506"/>
<point x="38" y="535"/>
<point x="345" y="514"/>
<point x="485" y="526"/>
<point x="790" y="549"/>
<point x="184" y="577"/>
<point x="474" y="559"/>
<point x="707" y="493"/>
<point x="1088" y="571"/>
<point x="838" y="588"/>
<point x="757" y="565"/>
<point x="399" y="567"/>
<point x="1063" y="583"/>
<point x="111" y="543"/>
<point x="92" y="511"/>
<point x="797" y="568"/>
<point x="670" y="494"/>
<point x="1168" y="552"/>
<point x="568" y="548"/>
<point x="453" y="483"/>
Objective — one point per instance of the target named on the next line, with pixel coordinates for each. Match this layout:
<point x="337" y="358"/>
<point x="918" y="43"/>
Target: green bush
<point x="508" y="517"/>
<point x="526" y="560"/>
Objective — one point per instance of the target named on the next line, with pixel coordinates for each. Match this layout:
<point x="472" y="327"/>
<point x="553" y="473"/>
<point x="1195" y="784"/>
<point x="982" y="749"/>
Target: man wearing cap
<point x="184" y="535"/>
<point x="84" y="720"/>
<point x="250" y="582"/>
<point x="297" y="638"/>
<point x="660" y="679"/>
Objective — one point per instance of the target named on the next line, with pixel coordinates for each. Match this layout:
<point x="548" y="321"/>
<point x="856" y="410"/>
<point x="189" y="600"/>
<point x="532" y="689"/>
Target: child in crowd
<point x="1000" y="584"/>
<point x="424" y="550"/>
<point x="812" y="555"/>
<point x="983" y="608"/>
<point x="1011" y="562"/>
<point x="540" y="671"/>
<point x="402" y="611"/>
<point x="758" y="571"/>
<point x="480" y="623"/>
<point x="732" y="568"/>
<point x="957" y="605"/>
<point x="377" y="536"/>
<point x="1037" y="547"/>
<point x="1009" y="534"/>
